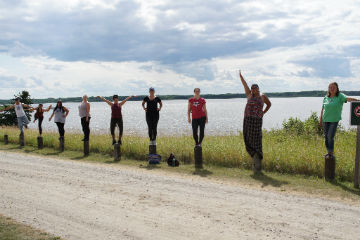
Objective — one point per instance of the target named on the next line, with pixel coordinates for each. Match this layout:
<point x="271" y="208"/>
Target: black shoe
<point x="119" y="142"/>
<point x="114" y="142"/>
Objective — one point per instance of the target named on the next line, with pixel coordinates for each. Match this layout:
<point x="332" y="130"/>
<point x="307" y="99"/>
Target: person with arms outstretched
<point x="152" y="114"/>
<point x="20" y="113"/>
<point x="39" y="116"/>
<point x="199" y="116"/>
<point x="116" y="115"/>
<point x="331" y="114"/>
<point x="253" y="119"/>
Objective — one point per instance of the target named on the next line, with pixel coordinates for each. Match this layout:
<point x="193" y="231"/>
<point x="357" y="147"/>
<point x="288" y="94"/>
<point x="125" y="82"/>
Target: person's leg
<point x="62" y="129"/>
<point x="326" y="126"/>
<point x="112" y="129"/>
<point x="155" y="123"/>
<point x="121" y="128"/>
<point x="20" y="124"/>
<point x="331" y="135"/>
<point x="87" y="129"/>
<point x="195" y="125"/>
<point x="59" y="128"/>
<point x="148" y="122"/>
<point x="202" y="128"/>
<point x="40" y="120"/>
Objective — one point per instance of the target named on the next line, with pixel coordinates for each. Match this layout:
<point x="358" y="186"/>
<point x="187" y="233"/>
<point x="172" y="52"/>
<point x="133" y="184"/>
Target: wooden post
<point x="21" y="140"/>
<point x="86" y="148"/>
<point x="357" y="158"/>
<point x="40" y="142"/>
<point x="330" y="163"/>
<point x="6" y="139"/>
<point x="117" y="152"/>
<point x="152" y="149"/>
<point x="198" y="157"/>
<point x="61" y="144"/>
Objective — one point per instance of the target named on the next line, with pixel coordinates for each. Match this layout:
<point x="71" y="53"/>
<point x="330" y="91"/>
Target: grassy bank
<point x="284" y="152"/>
<point x="11" y="230"/>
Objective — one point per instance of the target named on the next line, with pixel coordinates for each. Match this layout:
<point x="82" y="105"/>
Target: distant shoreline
<point x="207" y="96"/>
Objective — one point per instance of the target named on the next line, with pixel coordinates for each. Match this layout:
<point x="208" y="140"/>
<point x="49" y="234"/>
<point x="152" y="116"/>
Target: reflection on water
<point x="225" y="116"/>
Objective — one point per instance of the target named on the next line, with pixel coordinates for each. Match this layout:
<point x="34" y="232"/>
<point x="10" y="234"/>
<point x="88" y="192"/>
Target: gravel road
<point x="79" y="200"/>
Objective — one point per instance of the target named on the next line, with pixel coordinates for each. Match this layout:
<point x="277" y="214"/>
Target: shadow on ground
<point x="266" y="180"/>
<point x="345" y="188"/>
<point x="79" y="157"/>
<point x="150" y="166"/>
<point x="202" y="172"/>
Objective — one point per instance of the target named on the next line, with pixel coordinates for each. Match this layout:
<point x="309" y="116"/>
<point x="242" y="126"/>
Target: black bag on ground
<point x="172" y="161"/>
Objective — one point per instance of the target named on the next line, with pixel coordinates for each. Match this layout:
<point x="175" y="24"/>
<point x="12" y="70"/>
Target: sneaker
<point x="114" y="142"/>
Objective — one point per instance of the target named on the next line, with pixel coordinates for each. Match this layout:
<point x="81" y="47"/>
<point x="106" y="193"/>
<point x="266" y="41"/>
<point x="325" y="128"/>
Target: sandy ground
<point x="78" y="200"/>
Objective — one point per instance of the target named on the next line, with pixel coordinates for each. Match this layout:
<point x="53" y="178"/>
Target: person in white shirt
<point x="20" y="113"/>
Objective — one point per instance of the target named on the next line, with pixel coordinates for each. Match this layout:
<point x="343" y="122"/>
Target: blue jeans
<point x="329" y="134"/>
<point x="21" y="121"/>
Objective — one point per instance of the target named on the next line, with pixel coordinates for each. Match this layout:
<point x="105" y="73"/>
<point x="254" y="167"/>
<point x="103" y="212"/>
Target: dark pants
<point x="329" y="134"/>
<point x="152" y="122"/>
<point x="196" y="123"/>
<point x="40" y="120"/>
<point x="61" y="128"/>
<point x="85" y="127"/>
<point x="119" y="123"/>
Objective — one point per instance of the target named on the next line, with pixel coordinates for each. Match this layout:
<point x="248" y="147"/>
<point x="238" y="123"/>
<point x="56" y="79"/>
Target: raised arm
<point x="246" y="87"/>
<point x="48" y="109"/>
<point x="349" y="99"/>
<point x="105" y="100"/>
<point x="126" y="99"/>
<point x="188" y="113"/>
<point x="267" y="102"/>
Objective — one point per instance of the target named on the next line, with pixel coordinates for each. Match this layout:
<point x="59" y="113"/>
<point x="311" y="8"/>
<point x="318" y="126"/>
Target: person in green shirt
<point x="331" y="114"/>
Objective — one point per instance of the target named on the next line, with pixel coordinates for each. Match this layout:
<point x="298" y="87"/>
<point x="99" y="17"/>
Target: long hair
<point x="60" y="107"/>
<point x="337" y="89"/>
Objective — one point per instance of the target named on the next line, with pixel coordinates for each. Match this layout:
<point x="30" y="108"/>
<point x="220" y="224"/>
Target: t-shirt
<point x="197" y="107"/>
<point x="152" y="105"/>
<point x="333" y="108"/>
<point x="116" y="111"/>
<point x="19" y="110"/>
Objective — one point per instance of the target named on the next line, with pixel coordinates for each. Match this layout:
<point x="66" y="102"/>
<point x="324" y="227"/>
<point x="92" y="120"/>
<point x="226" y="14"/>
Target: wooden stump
<point x="40" y="142"/>
<point x="61" y="144"/>
<point x="86" y="148"/>
<point x="198" y="157"/>
<point x="330" y="167"/>
<point x="6" y="139"/>
<point x="152" y="149"/>
<point x="22" y="140"/>
<point x="117" y="152"/>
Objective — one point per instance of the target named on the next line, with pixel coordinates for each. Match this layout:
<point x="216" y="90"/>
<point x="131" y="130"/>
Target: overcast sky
<point x="101" y="47"/>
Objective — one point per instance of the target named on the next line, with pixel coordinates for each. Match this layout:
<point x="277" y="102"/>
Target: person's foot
<point x="198" y="145"/>
<point x="256" y="164"/>
<point x="119" y="142"/>
<point x="114" y="142"/>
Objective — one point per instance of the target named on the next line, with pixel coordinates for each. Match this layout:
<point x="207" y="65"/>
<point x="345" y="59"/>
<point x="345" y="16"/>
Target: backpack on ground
<point x="172" y="161"/>
<point x="154" y="158"/>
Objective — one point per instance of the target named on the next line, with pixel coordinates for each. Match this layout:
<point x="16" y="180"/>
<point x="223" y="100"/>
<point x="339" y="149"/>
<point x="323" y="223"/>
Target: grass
<point x="283" y="152"/>
<point x="224" y="159"/>
<point x="11" y="230"/>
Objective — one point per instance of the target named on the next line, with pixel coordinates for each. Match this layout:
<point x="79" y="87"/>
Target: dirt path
<point x="78" y="200"/>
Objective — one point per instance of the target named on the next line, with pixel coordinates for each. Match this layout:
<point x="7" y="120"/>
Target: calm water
<point x="225" y="116"/>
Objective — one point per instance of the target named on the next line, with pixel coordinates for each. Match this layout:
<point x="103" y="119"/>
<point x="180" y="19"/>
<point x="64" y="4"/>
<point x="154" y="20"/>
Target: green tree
<point x="8" y="118"/>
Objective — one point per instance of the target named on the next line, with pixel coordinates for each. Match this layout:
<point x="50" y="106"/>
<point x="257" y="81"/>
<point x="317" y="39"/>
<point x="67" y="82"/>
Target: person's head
<point x="59" y="104"/>
<point x="151" y="91"/>
<point x="17" y="100"/>
<point x="116" y="98"/>
<point x="40" y="106"/>
<point x="333" y="89"/>
<point x="85" y="98"/>
<point x="255" y="91"/>
<point x="196" y="92"/>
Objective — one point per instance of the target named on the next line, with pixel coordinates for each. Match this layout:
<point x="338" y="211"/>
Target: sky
<point x="101" y="47"/>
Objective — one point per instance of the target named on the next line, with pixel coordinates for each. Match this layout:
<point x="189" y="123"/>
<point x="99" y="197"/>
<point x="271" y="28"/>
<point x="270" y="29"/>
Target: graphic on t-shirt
<point x="357" y="111"/>
<point x="196" y="104"/>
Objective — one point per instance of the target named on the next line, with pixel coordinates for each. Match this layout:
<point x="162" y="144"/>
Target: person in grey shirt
<point x="84" y="113"/>
<point x="60" y="112"/>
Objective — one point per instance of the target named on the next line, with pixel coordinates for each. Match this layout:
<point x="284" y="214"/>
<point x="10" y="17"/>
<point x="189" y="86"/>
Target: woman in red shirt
<point x="197" y="107"/>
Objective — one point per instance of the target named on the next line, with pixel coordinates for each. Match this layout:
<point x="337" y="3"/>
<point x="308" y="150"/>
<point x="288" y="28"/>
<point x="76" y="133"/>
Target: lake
<point x="225" y="116"/>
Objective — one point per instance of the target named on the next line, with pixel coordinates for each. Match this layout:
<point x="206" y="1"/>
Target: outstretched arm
<point x="27" y="106"/>
<point x="349" y="99"/>
<point x="126" y="99"/>
<point x="7" y="108"/>
<point x="105" y="100"/>
<point x="267" y="103"/>
<point x="48" y="109"/>
<point x="246" y="87"/>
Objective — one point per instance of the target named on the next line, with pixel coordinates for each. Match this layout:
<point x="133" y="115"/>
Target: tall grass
<point x="285" y="150"/>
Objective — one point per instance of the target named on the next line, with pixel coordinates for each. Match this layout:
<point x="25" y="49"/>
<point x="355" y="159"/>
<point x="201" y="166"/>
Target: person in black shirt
<point x="152" y="114"/>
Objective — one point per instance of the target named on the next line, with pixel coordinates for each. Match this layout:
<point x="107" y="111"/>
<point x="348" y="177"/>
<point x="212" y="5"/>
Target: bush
<point x="309" y="127"/>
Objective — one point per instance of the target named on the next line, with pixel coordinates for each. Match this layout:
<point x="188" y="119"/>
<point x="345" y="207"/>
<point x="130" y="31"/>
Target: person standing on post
<point x="84" y="113"/>
<point x="60" y="113"/>
<point x="20" y="114"/>
<point x="39" y="115"/>
<point x="331" y="114"/>
<point x="116" y="116"/>
<point x="197" y="107"/>
<point x="253" y="119"/>
<point x="152" y="114"/>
